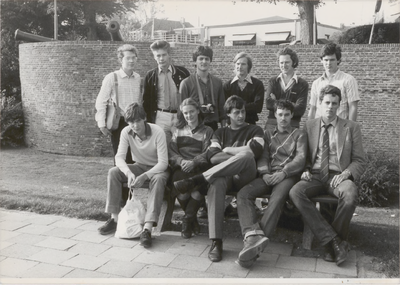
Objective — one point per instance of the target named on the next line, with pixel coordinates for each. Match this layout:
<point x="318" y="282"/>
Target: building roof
<point x="269" y="20"/>
<point x="164" y="25"/>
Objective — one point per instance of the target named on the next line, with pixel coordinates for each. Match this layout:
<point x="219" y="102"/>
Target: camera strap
<point x="200" y="93"/>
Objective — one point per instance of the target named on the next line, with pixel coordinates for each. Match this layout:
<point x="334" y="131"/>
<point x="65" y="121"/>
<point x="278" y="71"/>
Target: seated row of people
<point x="326" y="157"/>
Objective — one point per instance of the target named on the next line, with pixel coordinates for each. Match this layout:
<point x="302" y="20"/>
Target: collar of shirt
<point x="196" y="129"/>
<point x="123" y="74"/>
<point x="288" y="130"/>
<point x="248" y="79"/>
<point x="334" y="75"/>
<point x="169" y="68"/>
<point x="199" y="78"/>
<point x="147" y="131"/>
<point x="333" y="123"/>
<point x="280" y="76"/>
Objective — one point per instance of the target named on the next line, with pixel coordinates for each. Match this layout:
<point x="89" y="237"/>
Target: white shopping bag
<point x="131" y="218"/>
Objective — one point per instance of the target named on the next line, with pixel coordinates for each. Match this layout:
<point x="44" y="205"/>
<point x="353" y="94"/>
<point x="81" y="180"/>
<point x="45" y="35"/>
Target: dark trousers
<point x="347" y="194"/>
<point x="115" y="136"/>
<point x="247" y="209"/>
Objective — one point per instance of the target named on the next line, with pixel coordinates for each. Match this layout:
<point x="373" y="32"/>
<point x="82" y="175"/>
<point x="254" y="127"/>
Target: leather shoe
<point x="108" y="228"/>
<point x="339" y="249"/>
<point x="145" y="238"/>
<point x="183" y="186"/>
<point x="215" y="253"/>
<point x="329" y="255"/>
<point x="253" y="246"/>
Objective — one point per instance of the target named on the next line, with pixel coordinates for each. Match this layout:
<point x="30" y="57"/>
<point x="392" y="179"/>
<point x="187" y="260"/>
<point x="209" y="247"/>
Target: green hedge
<point x="379" y="181"/>
<point x="12" y="122"/>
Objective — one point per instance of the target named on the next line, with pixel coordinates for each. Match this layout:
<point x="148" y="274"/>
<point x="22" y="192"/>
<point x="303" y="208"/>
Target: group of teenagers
<point x="199" y="137"/>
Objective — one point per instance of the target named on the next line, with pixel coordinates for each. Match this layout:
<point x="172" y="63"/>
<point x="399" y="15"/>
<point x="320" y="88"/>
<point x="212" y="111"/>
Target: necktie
<point x="324" y="174"/>
<point x="167" y="94"/>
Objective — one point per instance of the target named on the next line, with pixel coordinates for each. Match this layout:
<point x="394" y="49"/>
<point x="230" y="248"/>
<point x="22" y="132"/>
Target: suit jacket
<point x="350" y="151"/>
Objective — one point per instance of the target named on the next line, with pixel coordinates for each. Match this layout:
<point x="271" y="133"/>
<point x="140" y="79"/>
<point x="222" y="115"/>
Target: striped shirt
<point x="128" y="93"/>
<point x="190" y="145"/>
<point x="283" y="151"/>
<point x="347" y="85"/>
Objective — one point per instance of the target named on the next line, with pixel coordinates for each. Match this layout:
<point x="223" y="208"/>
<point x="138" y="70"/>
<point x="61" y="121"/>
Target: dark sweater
<point x="226" y="137"/>
<point x="297" y="94"/>
<point x="252" y="94"/>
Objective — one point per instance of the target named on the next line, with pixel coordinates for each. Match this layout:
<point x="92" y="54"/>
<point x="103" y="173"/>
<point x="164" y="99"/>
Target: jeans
<point x="347" y="194"/>
<point x="234" y="173"/>
<point x="116" y="178"/>
<point x="247" y="209"/>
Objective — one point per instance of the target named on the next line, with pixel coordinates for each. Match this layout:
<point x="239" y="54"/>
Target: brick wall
<point x="60" y="82"/>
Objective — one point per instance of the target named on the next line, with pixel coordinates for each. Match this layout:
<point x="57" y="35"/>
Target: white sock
<point x="148" y="226"/>
<point x="115" y="217"/>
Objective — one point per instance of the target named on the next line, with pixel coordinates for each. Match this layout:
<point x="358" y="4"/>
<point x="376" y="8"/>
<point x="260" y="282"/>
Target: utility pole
<point x="55" y="21"/>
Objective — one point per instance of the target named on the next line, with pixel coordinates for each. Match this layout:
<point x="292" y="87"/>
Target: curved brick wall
<point x="60" y="82"/>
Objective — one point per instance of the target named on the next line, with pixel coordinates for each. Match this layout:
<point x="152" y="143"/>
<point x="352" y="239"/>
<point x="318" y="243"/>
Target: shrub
<point x="12" y="122"/>
<point x="383" y="33"/>
<point x="380" y="179"/>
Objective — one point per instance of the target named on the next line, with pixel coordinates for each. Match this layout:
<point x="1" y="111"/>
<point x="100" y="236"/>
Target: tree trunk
<point x="89" y="13"/>
<point x="306" y="11"/>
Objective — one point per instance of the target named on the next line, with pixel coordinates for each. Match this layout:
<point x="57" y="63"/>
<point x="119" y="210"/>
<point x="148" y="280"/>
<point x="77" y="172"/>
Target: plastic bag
<point x="131" y="218"/>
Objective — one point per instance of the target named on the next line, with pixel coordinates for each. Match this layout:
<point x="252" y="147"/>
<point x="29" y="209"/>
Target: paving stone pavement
<point x="49" y="246"/>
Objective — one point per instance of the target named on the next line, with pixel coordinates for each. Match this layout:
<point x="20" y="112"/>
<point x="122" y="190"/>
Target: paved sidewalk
<point x="49" y="246"/>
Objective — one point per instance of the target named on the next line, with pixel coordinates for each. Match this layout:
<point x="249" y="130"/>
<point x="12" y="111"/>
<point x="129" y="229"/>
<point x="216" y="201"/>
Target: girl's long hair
<point x="181" y="119"/>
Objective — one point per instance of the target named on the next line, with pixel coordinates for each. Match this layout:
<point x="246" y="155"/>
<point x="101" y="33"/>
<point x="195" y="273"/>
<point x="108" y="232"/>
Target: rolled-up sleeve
<point x="102" y="100"/>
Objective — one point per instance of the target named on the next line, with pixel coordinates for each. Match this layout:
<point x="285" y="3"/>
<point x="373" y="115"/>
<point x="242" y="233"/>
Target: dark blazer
<point x="150" y="89"/>
<point x="350" y="151"/>
<point x="252" y="94"/>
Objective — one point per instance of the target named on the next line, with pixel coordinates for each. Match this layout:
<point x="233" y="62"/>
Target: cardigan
<point x="297" y="94"/>
<point x="252" y="94"/>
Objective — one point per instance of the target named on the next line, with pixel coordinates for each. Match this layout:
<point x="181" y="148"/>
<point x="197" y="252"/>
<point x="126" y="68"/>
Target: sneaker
<point x="246" y="264"/>
<point x="108" y="228"/>
<point x="145" y="238"/>
<point x="253" y="246"/>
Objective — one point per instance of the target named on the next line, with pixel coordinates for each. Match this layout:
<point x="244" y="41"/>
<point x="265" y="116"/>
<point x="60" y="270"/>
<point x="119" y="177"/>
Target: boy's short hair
<point x="203" y="50"/>
<point x="291" y="53"/>
<point x="330" y="49"/>
<point x="331" y="90"/>
<point x="160" y="44"/>
<point x="284" y="104"/>
<point x="244" y="55"/>
<point x="233" y="101"/>
<point x="126" y="47"/>
<point x="134" y="112"/>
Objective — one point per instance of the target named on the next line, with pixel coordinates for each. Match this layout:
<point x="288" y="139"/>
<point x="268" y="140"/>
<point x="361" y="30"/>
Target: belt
<point x="167" y="110"/>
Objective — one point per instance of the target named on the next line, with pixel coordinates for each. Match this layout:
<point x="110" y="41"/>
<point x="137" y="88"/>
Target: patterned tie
<point x="324" y="174"/>
<point x="167" y="93"/>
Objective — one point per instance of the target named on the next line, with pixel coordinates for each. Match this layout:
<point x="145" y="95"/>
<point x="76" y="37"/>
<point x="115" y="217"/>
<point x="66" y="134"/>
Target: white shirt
<point x="348" y="87"/>
<point x="128" y="93"/>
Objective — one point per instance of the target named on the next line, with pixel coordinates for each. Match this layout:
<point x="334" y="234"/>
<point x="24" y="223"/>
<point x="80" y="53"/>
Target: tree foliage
<point x="77" y="20"/>
<point x="306" y="14"/>
<point x="383" y="33"/>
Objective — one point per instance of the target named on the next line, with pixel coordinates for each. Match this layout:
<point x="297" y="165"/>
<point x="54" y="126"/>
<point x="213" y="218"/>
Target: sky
<point x="215" y="12"/>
